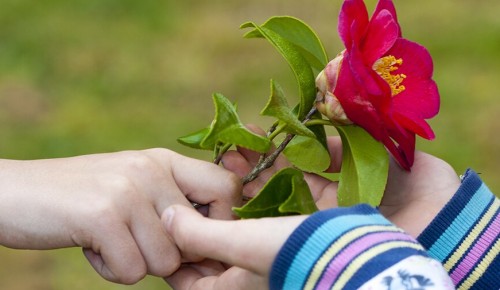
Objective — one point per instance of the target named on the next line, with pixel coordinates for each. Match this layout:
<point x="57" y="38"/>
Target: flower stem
<point x="267" y="161"/>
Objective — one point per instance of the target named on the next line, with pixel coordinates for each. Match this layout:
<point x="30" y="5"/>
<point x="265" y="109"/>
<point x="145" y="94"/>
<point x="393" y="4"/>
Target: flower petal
<point x="420" y="99"/>
<point x="417" y="61"/>
<point x="356" y="104"/>
<point x="402" y="147"/>
<point x="353" y="11"/>
<point x="377" y="90"/>
<point x="367" y="97"/>
<point x="405" y="141"/>
<point x="389" y="6"/>
<point x="383" y="31"/>
<point x="415" y="125"/>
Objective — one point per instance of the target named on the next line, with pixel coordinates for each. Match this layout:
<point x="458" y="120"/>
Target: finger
<point x="323" y="190"/>
<point x="188" y="278"/>
<point x="237" y="163"/>
<point x="118" y="260"/>
<point x="231" y="242"/>
<point x="190" y="274"/>
<point x="335" y="148"/>
<point x="207" y="183"/>
<point x="158" y="249"/>
<point x="251" y="156"/>
<point x="209" y="267"/>
<point x="242" y="279"/>
<point x="184" y="278"/>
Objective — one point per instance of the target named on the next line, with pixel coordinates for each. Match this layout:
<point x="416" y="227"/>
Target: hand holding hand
<point x="110" y="205"/>
<point x="249" y="245"/>
<point x="411" y="201"/>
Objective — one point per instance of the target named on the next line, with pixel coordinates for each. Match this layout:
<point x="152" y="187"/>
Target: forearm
<point x="351" y="248"/>
<point x="465" y="236"/>
<point x="28" y="206"/>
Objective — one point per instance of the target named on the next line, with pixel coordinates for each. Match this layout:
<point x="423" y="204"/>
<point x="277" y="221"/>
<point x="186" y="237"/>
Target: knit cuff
<point x="345" y="247"/>
<point x="464" y="236"/>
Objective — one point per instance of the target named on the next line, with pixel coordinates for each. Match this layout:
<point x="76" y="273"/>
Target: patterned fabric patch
<point x="412" y="273"/>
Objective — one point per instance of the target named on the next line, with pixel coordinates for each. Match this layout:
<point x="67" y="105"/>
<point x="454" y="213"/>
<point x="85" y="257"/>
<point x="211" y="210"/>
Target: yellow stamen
<point x="384" y="67"/>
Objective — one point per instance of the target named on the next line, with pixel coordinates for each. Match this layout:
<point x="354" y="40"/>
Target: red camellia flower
<point x="381" y="81"/>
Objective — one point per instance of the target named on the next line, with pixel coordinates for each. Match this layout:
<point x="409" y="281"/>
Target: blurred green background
<point x="87" y="76"/>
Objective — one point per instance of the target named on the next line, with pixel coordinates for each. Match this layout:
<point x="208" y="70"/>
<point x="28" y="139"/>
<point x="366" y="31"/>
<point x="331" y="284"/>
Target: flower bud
<point x="326" y="102"/>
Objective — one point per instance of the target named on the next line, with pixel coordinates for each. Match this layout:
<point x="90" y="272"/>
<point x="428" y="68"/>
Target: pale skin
<point x="411" y="201"/>
<point x="110" y="205"/>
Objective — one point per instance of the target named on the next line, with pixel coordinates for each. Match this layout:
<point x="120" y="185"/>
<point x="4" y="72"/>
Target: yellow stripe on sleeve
<point x="481" y="268"/>
<point x="358" y="262"/>
<point x="471" y="237"/>
<point x="340" y="244"/>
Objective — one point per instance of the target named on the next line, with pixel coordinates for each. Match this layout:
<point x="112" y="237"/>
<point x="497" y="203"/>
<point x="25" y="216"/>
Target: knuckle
<point x="103" y="208"/>
<point x="121" y="189"/>
<point x="137" y="162"/>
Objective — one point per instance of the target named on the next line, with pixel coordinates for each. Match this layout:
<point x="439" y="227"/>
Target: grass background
<point x="87" y="76"/>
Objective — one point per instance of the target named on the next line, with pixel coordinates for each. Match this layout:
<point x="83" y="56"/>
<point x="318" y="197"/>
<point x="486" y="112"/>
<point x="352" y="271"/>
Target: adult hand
<point x="249" y="245"/>
<point x="110" y="205"/>
<point x="411" y="200"/>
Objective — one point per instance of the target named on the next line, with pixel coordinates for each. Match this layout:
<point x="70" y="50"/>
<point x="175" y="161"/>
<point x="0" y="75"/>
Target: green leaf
<point x="297" y="61"/>
<point x="308" y="154"/>
<point x="239" y="135"/>
<point x="286" y="193"/>
<point x="300" y="34"/>
<point x="301" y="200"/>
<point x="194" y="140"/>
<point x="365" y="167"/>
<point x="228" y="128"/>
<point x="277" y="107"/>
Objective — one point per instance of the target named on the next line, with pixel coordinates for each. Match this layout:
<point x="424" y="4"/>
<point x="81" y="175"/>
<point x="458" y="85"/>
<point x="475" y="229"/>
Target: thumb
<point x="250" y="244"/>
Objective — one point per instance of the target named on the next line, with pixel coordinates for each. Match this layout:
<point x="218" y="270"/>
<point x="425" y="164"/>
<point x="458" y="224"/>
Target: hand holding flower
<point x="411" y="199"/>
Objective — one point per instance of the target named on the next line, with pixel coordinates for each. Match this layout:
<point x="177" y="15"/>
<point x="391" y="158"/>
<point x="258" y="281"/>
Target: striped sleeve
<point x="465" y="236"/>
<point x="353" y="248"/>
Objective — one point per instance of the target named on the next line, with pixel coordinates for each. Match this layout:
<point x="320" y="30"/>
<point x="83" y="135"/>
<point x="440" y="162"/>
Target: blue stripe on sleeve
<point x="308" y="243"/>
<point x="462" y="224"/>
<point x="470" y="184"/>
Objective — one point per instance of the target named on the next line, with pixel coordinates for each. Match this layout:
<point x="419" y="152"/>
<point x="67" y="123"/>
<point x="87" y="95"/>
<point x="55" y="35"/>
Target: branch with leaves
<point x="375" y="93"/>
<point x="304" y="143"/>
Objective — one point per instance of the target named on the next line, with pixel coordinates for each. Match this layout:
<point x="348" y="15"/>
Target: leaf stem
<point x="323" y="122"/>
<point x="221" y="152"/>
<point x="277" y="130"/>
